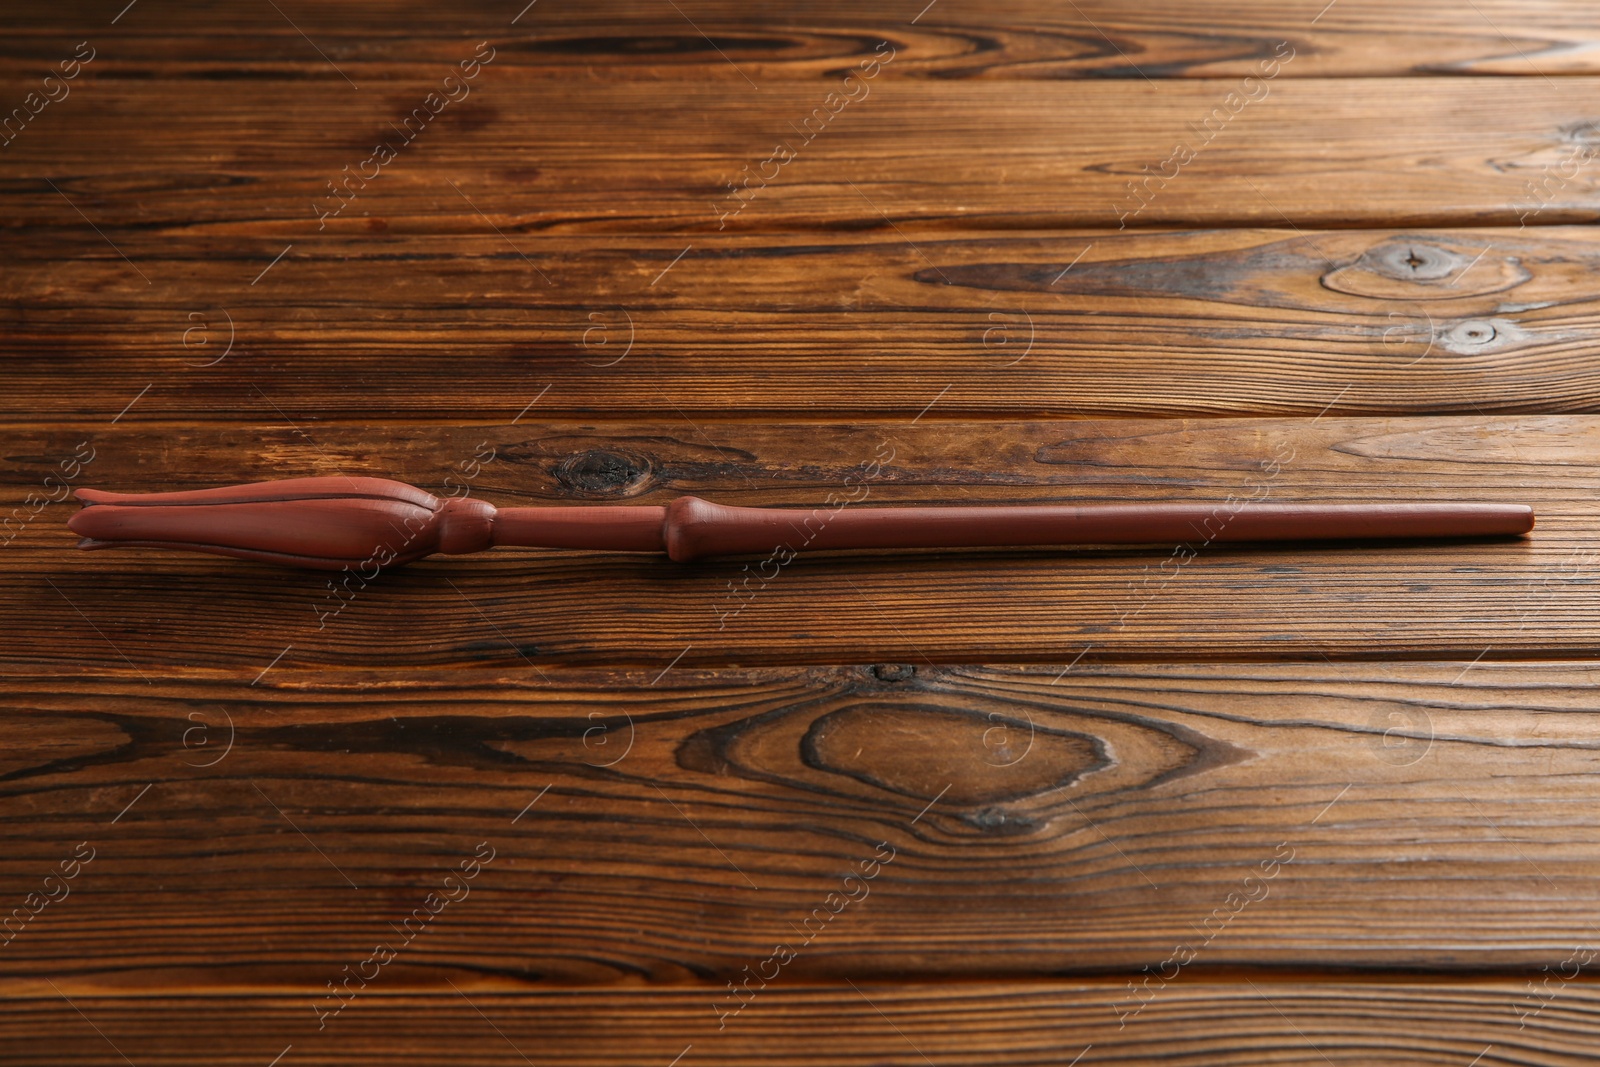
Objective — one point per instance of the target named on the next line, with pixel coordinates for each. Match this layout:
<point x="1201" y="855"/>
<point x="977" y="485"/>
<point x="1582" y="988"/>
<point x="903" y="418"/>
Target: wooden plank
<point x="1094" y="323"/>
<point x="725" y="41"/>
<point x="259" y="157"/>
<point x="1235" y="1024"/>
<point x="261" y="830"/>
<point x="164" y="610"/>
<point x="649" y="776"/>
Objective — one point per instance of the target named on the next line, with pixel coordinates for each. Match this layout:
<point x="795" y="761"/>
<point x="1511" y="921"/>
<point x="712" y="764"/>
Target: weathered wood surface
<point x="256" y="157"/>
<point x="1196" y="1024"/>
<point x="1068" y="325"/>
<point x="164" y="610"/>
<point x="1235" y="781"/>
<point x="727" y="41"/>
<point x="676" y="825"/>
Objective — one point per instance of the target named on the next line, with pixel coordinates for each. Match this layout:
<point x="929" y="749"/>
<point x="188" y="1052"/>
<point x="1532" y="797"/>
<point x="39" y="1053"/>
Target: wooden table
<point x="1220" y="805"/>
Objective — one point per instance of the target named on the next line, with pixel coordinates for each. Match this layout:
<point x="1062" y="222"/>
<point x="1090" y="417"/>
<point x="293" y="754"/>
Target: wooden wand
<point x="334" y="523"/>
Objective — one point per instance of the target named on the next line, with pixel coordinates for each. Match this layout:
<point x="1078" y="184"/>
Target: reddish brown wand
<point x="334" y="523"/>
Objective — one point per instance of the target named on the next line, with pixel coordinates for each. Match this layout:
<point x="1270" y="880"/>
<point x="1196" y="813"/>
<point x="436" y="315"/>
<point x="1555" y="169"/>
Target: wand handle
<point x="361" y="523"/>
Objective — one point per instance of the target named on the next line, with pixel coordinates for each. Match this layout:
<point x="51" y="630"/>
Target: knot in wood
<point x="1414" y="261"/>
<point x="601" y="472"/>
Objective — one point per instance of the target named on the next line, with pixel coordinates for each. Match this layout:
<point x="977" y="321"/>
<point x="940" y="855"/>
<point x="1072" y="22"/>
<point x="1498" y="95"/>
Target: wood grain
<point x="673" y="826"/>
<point x="1307" y="805"/>
<point x="1310" y="1024"/>
<point x="165" y="610"/>
<point x="257" y="156"/>
<point x="725" y="41"/>
<point x="1229" y="322"/>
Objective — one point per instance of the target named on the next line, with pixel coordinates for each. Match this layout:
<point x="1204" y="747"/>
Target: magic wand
<point x="334" y="523"/>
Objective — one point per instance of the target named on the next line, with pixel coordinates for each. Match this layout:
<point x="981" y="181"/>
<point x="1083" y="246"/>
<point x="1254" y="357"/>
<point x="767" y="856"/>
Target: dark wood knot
<point x="600" y="473"/>
<point x="967" y="760"/>
<point x="1408" y="269"/>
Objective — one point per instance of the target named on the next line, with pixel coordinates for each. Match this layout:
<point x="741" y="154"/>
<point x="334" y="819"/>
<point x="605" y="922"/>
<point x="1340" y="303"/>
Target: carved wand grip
<point x="334" y="523"/>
